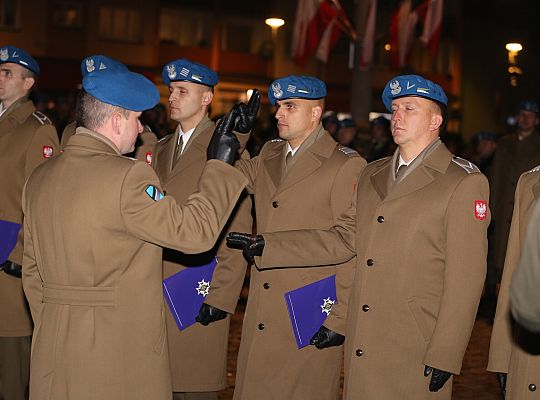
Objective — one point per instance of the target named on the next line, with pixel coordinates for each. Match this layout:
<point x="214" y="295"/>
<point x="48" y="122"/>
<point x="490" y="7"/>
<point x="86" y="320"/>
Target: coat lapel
<point x="379" y="179"/>
<point x="422" y="175"/>
<point x="273" y="164"/>
<point x="308" y="162"/>
<point x="16" y="117"/>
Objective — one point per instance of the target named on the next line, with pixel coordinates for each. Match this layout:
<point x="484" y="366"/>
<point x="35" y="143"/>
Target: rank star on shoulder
<point x="203" y="288"/>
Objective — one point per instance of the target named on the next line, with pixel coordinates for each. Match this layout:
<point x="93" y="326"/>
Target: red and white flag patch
<point x="480" y="209"/>
<point x="149" y="158"/>
<point x="47" y="151"/>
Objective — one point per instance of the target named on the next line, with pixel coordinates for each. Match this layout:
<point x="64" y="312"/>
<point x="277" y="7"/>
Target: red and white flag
<point x="402" y="27"/>
<point x="369" y="35"/>
<point x="431" y="34"/>
<point x="305" y="14"/>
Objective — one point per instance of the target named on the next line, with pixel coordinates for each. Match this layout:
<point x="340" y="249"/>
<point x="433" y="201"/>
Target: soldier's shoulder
<point x="534" y="170"/>
<point x="347" y="151"/>
<point x="465" y="165"/>
<point x="40" y="118"/>
<point x="273" y="144"/>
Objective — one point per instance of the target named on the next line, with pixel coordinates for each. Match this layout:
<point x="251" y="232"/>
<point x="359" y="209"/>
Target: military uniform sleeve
<point x="524" y="289"/>
<point x="342" y="192"/>
<point x="500" y="347"/>
<point x="44" y="145"/>
<point x="192" y="227"/>
<point x="31" y="279"/>
<point x="464" y="274"/>
<point x="311" y="247"/>
<point x="249" y="169"/>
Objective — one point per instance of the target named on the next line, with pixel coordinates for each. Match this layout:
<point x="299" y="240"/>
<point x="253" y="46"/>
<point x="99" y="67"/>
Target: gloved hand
<point x="224" y="145"/>
<point x="438" y="378"/>
<point x="501" y="378"/>
<point x="251" y="245"/>
<point x="208" y="314"/>
<point x="11" y="268"/>
<point x="325" y="337"/>
<point x="247" y="114"/>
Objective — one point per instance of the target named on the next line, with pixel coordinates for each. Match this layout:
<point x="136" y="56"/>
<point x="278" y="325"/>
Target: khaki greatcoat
<point x="421" y="255"/>
<point x="506" y="353"/>
<point x="198" y="355"/>
<point x="512" y="158"/>
<point x="24" y="133"/>
<point x="92" y="268"/>
<point x="319" y="186"/>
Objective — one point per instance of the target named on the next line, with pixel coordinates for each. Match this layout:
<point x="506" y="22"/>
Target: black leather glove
<point x="208" y="314"/>
<point x="247" y="113"/>
<point x="438" y="378"/>
<point x="251" y="245"/>
<point x="501" y="378"/>
<point x="12" y="268"/>
<point x="325" y="337"/>
<point x="224" y="145"/>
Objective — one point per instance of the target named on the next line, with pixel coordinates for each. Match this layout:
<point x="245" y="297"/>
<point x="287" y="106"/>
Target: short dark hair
<point x="92" y="113"/>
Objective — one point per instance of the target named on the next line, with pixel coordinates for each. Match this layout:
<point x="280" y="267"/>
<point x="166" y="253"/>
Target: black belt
<point x="11" y="268"/>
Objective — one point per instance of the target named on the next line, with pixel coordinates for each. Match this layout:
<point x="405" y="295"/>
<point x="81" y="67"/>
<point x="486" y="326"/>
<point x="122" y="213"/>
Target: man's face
<point x="130" y="128"/>
<point x="188" y="100"/>
<point x="295" y="119"/>
<point x="411" y="120"/>
<point x="526" y="120"/>
<point x="13" y="84"/>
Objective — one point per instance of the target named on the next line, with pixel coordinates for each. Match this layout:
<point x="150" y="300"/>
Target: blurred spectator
<point x="156" y="119"/>
<point x="330" y="122"/>
<point x="382" y="144"/>
<point x="346" y="132"/>
<point x="516" y="153"/>
<point x="454" y="142"/>
<point x="484" y="144"/>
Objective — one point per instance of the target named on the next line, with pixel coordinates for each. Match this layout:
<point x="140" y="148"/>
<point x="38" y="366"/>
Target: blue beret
<point x="346" y="123"/>
<point x="529" y="105"/>
<point x="185" y="70"/>
<point x="412" y="85"/>
<point x="485" y="136"/>
<point x="98" y="62"/>
<point x="125" y="89"/>
<point x="296" y="87"/>
<point x="11" y="54"/>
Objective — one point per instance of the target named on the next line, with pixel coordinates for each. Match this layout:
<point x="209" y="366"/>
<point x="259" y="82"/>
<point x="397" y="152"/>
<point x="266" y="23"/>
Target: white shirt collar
<point x="401" y="161"/>
<point x="185" y="137"/>
<point x="290" y="149"/>
<point x="2" y="109"/>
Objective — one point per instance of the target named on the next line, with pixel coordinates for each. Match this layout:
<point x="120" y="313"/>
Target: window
<point x="120" y="23"/>
<point x="67" y="14"/>
<point x="9" y="14"/>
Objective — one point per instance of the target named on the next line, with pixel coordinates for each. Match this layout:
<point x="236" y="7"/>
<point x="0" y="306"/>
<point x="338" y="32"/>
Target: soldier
<point x="303" y="180"/>
<point x="94" y="221"/>
<point x="515" y="154"/>
<point x="506" y="353"/>
<point x="146" y="141"/>
<point x="419" y="234"/>
<point x="198" y="355"/>
<point x="27" y="138"/>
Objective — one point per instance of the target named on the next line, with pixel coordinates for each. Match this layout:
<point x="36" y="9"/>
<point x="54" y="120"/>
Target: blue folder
<point x="8" y="238"/>
<point x="309" y="306"/>
<point x="185" y="292"/>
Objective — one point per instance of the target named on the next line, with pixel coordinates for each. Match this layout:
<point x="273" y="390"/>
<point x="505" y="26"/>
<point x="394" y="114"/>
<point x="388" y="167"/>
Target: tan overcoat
<point x="92" y="268"/>
<point x="198" y="355"/>
<point x="315" y="191"/>
<point x="26" y="135"/>
<point x="505" y="352"/>
<point x="145" y="146"/>
<point x="512" y="158"/>
<point x="421" y="251"/>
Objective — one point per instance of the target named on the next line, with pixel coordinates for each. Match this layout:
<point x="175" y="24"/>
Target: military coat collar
<point x="438" y="160"/>
<point x="308" y="161"/>
<point x="16" y="114"/>
<point x="85" y="139"/>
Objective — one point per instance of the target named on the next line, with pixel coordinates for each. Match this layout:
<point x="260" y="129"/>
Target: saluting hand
<point x="438" y="378"/>
<point x="325" y="337"/>
<point x="247" y="114"/>
<point x="251" y="245"/>
<point x="224" y="145"/>
<point x="208" y="314"/>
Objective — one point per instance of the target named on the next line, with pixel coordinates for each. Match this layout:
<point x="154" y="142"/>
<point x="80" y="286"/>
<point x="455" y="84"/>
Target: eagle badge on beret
<point x="395" y="89"/>
<point x="90" y="65"/>
<point x="4" y="54"/>
<point x="276" y="89"/>
<point x="171" y="71"/>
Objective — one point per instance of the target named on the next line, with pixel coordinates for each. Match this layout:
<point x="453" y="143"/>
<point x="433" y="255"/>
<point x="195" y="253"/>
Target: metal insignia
<point x="203" y="288"/>
<point x="395" y="89"/>
<point x="4" y="54"/>
<point x="291" y="89"/>
<point x="184" y="71"/>
<point x="90" y="65"/>
<point x="102" y="66"/>
<point x="326" y="307"/>
<point x="171" y="71"/>
<point x="276" y="89"/>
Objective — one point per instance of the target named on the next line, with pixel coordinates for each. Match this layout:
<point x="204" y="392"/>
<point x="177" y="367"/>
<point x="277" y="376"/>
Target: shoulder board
<point x="162" y="139"/>
<point x="42" y="118"/>
<point x="131" y="158"/>
<point x="348" y="151"/>
<point x="276" y="140"/>
<point x="466" y="165"/>
<point x="535" y="169"/>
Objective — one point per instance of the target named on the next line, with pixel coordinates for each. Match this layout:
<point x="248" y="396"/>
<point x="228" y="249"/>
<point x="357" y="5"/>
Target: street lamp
<point x="274" y="23"/>
<point x="513" y="69"/>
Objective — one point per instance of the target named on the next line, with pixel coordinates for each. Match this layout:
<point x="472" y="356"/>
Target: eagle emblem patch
<point x="480" y="209"/>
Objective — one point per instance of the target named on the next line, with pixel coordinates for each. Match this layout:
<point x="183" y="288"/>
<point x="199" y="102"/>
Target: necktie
<point x="288" y="158"/>
<point x="401" y="171"/>
<point x="178" y="150"/>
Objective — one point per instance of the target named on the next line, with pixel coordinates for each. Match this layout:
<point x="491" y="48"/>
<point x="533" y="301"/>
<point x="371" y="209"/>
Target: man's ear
<point x="28" y="83"/>
<point x="115" y="122"/>
<point x="316" y="113"/>
<point x="436" y="122"/>
<point x="207" y="97"/>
